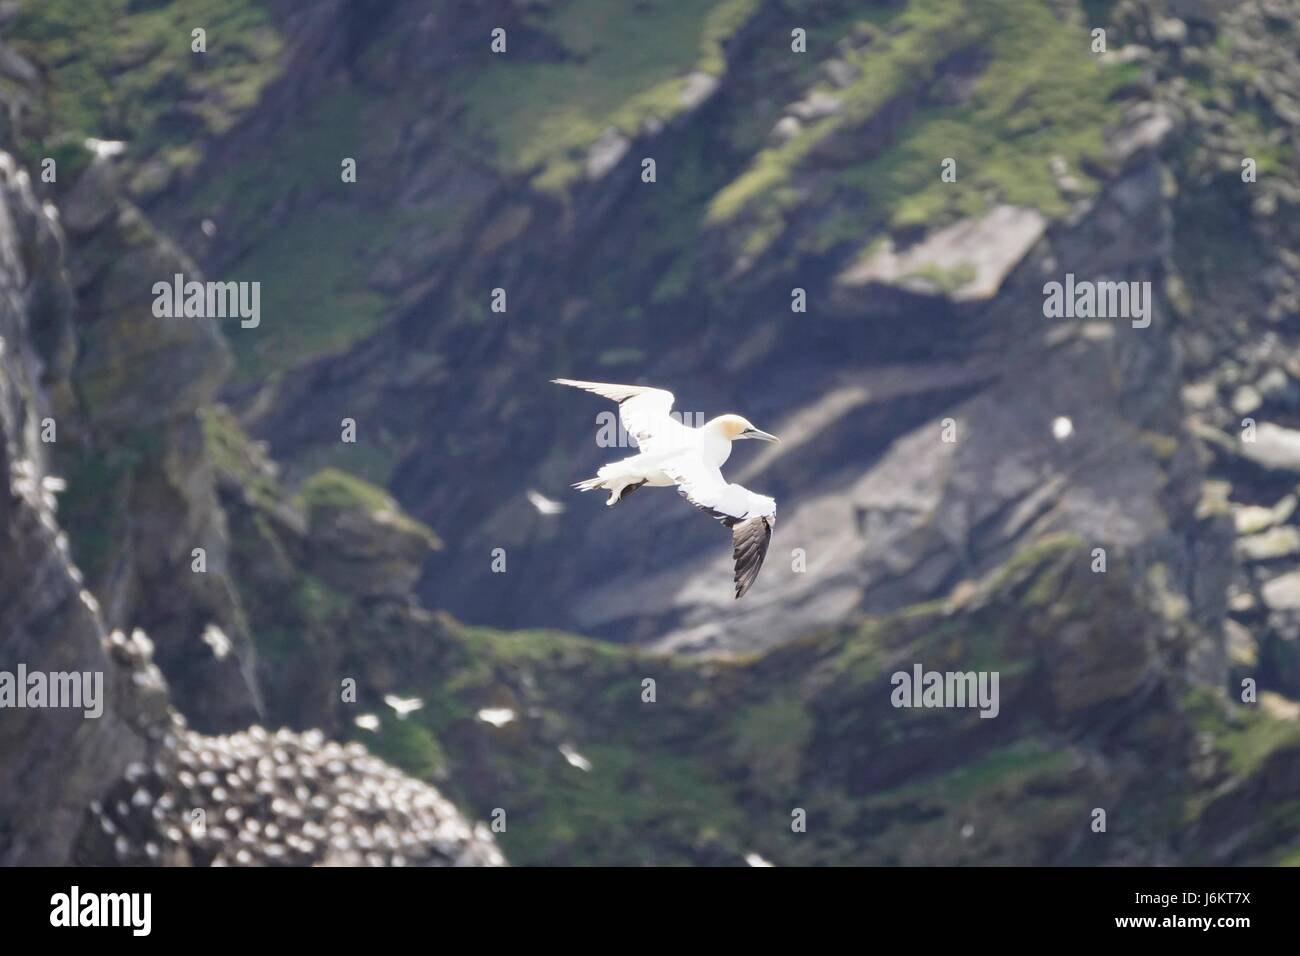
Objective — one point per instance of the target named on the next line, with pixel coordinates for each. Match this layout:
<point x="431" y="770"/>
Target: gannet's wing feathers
<point x="619" y="393"/>
<point x="644" y="412"/>
<point x="750" y="517"/>
<point x="749" y="541"/>
<point x="702" y="484"/>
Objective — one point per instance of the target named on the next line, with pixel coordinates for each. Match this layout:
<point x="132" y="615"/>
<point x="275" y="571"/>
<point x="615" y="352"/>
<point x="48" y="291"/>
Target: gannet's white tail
<point x="618" y="485"/>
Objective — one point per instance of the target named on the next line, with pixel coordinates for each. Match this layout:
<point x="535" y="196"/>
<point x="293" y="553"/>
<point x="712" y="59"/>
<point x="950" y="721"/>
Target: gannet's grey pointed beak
<point x="755" y="433"/>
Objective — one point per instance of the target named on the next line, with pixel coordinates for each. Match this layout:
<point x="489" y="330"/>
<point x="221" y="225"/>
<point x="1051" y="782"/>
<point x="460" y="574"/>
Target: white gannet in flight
<point x="690" y="458"/>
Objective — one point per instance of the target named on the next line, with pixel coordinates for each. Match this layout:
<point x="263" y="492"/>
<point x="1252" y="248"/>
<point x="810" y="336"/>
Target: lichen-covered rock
<point x="117" y="787"/>
<point x="140" y="505"/>
<point x="361" y="540"/>
<point x="52" y="762"/>
<point x="965" y="262"/>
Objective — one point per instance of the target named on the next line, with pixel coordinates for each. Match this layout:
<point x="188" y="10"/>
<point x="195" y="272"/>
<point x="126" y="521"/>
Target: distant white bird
<point x="574" y="758"/>
<point x="543" y="504"/>
<point x="105" y="148"/>
<point x="672" y="453"/>
<point x="496" y="716"/>
<point x="403" y="706"/>
<point x="216" y="639"/>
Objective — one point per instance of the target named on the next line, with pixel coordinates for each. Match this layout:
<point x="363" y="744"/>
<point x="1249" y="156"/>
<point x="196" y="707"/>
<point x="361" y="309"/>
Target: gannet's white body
<point x="672" y="453"/>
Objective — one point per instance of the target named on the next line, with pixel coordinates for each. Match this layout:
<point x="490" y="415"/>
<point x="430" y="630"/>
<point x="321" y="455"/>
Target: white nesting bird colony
<point x="672" y="453"/>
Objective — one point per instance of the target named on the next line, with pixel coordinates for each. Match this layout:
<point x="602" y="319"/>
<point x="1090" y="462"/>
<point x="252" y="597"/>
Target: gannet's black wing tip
<point x="750" y="539"/>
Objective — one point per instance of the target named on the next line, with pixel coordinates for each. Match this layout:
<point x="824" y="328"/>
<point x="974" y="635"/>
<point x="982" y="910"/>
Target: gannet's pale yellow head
<point x="734" y="427"/>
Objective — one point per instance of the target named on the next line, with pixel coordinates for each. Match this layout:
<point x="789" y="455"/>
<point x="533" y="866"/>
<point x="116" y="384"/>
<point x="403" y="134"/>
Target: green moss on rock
<point x="119" y="69"/>
<point x="331" y="489"/>
<point x="622" y="65"/>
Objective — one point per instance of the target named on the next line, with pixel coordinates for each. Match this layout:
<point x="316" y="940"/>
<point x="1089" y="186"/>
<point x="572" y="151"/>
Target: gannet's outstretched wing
<point x="750" y="517"/>
<point x="644" y="412"/>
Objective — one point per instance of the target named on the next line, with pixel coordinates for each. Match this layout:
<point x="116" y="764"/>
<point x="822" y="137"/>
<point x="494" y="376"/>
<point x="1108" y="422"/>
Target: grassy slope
<point x="132" y="75"/>
<point x="714" y="766"/>
<point x="574" y="70"/>
<point x="1039" y="93"/>
<point x="623" y="65"/>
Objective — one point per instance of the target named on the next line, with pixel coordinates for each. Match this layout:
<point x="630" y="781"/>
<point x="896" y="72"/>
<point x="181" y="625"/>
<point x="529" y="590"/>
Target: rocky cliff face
<point x="775" y="173"/>
<point x="55" y="761"/>
<point x="952" y="458"/>
<point x="99" y="404"/>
